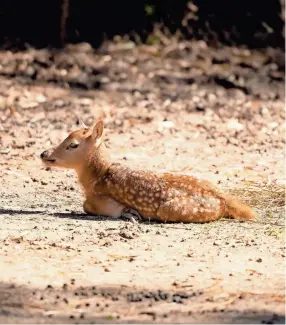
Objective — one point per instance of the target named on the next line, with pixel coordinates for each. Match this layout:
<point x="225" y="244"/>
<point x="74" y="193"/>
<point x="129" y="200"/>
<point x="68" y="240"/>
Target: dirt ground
<point x="214" y="113"/>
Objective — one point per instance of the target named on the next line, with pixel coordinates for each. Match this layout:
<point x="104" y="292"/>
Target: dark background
<point x="254" y="23"/>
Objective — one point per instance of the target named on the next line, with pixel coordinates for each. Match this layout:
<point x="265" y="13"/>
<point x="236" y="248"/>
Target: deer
<point x="115" y="190"/>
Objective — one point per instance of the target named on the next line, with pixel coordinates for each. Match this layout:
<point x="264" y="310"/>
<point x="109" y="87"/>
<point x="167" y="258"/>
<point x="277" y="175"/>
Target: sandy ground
<point x="216" y="114"/>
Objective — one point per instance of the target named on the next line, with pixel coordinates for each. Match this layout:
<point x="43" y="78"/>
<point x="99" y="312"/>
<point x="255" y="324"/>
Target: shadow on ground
<point x="122" y="304"/>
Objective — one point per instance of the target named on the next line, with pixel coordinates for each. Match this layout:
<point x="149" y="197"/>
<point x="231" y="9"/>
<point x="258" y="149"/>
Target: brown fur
<point x="110" y="188"/>
<point x="237" y="210"/>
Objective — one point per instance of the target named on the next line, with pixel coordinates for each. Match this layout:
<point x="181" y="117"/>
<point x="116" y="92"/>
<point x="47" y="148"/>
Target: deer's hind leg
<point x="190" y="209"/>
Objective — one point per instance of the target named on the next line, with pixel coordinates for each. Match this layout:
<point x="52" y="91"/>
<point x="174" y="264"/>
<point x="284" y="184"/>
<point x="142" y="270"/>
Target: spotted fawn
<point x="112" y="189"/>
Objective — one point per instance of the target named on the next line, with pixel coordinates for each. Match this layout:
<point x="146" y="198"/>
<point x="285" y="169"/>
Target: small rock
<point x="41" y="99"/>
<point x="233" y="124"/>
<point x="200" y="107"/>
<point x="126" y="234"/>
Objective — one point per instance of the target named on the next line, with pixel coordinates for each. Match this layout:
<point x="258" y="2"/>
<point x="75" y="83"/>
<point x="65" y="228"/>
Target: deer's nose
<point x="44" y="154"/>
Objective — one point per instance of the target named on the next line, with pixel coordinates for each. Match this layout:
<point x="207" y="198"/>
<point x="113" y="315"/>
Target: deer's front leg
<point x="103" y="206"/>
<point x="87" y="207"/>
<point x="132" y="215"/>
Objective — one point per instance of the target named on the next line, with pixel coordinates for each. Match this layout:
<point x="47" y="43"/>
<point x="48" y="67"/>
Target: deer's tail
<point x="237" y="210"/>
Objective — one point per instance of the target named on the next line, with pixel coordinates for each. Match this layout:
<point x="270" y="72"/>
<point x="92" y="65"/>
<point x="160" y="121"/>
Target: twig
<point x="64" y="17"/>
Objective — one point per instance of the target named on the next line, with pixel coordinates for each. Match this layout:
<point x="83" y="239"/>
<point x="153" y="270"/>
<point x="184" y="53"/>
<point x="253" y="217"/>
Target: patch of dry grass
<point x="262" y="196"/>
<point x="267" y="199"/>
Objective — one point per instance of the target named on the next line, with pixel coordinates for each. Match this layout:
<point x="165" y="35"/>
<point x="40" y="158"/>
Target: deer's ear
<point x="81" y="124"/>
<point x="97" y="131"/>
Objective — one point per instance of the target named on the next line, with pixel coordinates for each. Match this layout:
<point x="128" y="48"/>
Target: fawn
<point x="112" y="189"/>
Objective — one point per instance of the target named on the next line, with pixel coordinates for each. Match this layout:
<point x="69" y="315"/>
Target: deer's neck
<point x="95" y="166"/>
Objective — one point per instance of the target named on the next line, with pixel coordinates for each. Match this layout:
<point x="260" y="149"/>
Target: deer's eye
<point x="74" y="145"/>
